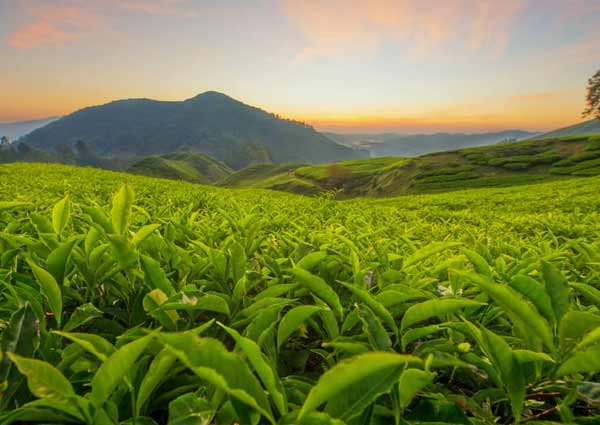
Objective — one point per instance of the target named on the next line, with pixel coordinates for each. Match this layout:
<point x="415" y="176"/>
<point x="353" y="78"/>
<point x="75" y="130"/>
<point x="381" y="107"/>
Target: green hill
<point x="212" y="123"/>
<point x="582" y="129"/>
<point x="504" y="164"/>
<point x="189" y="166"/>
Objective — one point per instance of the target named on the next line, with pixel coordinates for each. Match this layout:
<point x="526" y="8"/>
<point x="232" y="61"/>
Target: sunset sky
<point x="348" y="66"/>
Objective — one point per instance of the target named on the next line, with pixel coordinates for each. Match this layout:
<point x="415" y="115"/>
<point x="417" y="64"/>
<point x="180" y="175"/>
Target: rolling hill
<point x="17" y="129"/>
<point x="503" y="164"/>
<point x="210" y="123"/>
<point x="189" y="166"/>
<point x="584" y="128"/>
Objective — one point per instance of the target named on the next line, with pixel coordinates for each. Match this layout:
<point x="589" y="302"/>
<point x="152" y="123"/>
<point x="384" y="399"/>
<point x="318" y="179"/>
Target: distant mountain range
<point x="408" y="145"/>
<point x="15" y="130"/>
<point x="210" y="123"/>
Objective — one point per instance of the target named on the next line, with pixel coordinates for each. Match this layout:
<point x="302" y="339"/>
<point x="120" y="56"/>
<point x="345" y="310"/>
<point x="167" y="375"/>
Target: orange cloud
<point x="345" y="27"/>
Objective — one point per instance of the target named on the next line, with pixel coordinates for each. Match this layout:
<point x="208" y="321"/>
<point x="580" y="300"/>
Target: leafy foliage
<point x="127" y="299"/>
<point x="593" y="96"/>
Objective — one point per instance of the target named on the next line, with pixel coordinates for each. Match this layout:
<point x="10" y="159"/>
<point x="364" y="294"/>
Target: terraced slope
<point x="504" y="164"/>
<point x="347" y="177"/>
<point x="585" y="128"/>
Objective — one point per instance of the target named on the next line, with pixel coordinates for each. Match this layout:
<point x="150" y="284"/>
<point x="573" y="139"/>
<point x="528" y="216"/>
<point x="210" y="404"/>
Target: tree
<point x="4" y="141"/>
<point x="593" y="97"/>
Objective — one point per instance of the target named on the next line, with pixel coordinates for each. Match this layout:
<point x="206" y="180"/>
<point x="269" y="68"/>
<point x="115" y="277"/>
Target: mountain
<point x="584" y="128"/>
<point x="393" y="144"/>
<point x="503" y="164"/>
<point x="15" y="130"/>
<point x="210" y="123"/>
<point x="189" y="166"/>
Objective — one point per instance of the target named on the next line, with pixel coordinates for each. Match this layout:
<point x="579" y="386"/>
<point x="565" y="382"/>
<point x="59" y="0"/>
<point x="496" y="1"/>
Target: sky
<point x="349" y="66"/>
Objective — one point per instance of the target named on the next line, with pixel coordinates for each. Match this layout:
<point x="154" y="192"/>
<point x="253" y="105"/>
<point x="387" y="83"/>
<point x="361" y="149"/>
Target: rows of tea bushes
<point x="131" y="300"/>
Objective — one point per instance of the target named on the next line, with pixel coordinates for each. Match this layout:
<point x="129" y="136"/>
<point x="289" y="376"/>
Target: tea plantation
<point x="133" y="300"/>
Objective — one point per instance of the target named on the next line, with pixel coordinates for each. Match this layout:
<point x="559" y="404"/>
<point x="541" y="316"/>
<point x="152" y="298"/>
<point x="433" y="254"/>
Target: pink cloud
<point x="342" y="27"/>
<point x="67" y="20"/>
<point x="54" y="25"/>
<point x="491" y="24"/>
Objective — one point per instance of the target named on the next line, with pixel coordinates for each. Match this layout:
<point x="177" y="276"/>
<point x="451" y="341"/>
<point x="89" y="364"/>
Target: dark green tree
<point x="593" y="97"/>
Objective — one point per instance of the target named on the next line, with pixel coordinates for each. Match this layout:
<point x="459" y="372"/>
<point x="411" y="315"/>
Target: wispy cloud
<point x="182" y="8"/>
<point x="54" y="24"/>
<point x="65" y="21"/>
<point x="342" y="27"/>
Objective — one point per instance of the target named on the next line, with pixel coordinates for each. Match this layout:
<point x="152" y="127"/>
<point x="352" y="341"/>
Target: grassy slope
<point x="349" y="176"/>
<point x="511" y="228"/>
<point x="509" y="164"/>
<point x="584" y="128"/>
<point x="189" y="166"/>
<point x="44" y="184"/>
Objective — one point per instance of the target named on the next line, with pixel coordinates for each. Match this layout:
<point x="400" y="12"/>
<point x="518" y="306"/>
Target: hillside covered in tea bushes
<point x="133" y="300"/>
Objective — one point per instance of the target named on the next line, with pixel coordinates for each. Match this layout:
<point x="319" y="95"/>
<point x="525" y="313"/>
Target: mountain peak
<point x="211" y="123"/>
<point x="210" y="95"/>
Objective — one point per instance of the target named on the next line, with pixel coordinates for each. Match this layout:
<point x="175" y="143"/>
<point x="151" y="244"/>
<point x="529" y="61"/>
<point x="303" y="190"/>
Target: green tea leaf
<point x="558" y="289"/>
<point x="121" y="209"/>
<point x="292" y="320"/>
<point x="374" y="305"/>
<point x="115" y="368"/>
<point x="157" y="373"/>
<point x="44" y="380"/>
<point x="321" y="289"/>
<point x="511" y="302"/>
<point x="93" y="344"/>
<point x="50" y="289"/>
<point x="209" y="359"/>
<point x="60" y="215"/>
<point x="435" y="308"/>
<point x="141" y="235"/>
<point x="155" y="275"/>
<point x="263" y="369"/>
<point x="411" y="382"/>
<point x="353" y="384"/>
<point x="82" y="315"/>
<point x="586" y="361"/>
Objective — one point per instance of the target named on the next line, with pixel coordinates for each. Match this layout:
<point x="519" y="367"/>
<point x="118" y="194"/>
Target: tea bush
<point x="132" y="300"/>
